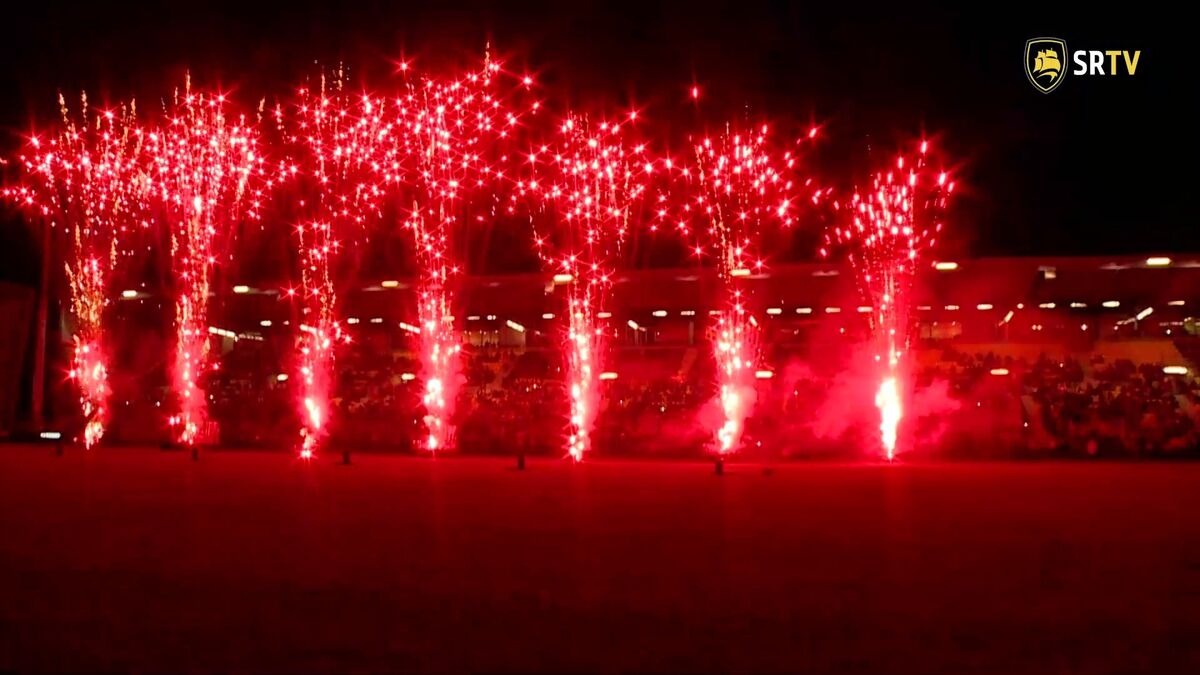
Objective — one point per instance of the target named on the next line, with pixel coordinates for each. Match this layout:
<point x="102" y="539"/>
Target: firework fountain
<point x="891" y="229"/>
<point x="451" y="132"/>
<point x="595" y="180"/>
<point x="740" y="185"/>
<point x="342" y="154"/>
<point x="87" y="181"/>
<point x="202" y="160"/>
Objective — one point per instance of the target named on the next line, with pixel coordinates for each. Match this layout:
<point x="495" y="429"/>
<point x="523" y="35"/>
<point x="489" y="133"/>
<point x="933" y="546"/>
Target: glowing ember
<point x="892" y="227"/>
<point x="86" y="182"/>
<point x="201" y="162"/>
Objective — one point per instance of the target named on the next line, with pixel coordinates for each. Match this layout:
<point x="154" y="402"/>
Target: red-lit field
<point x="145" y="560"/>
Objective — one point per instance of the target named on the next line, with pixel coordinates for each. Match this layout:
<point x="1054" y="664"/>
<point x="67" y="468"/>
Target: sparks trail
<point x="202" y="161"/>
<point x="342" y="156"/>
<point x="593" y="181"/>
<point x="738" y="185"/>
<point x="891" y="227"/>
<point x="87" y="182"/>
<point x="453" y="134"/>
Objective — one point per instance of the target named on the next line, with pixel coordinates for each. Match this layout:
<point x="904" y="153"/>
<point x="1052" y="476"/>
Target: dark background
<point x="1101" y="165"/>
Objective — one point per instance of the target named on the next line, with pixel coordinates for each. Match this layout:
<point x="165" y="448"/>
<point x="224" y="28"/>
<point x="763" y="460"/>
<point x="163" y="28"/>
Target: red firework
<point x="891" y="227"/>
<point x="87" y="181"/>
<point x="452" y="132"/>
<point x="202" y="160"/>
<point x="594" y="180"/>
<point x="738" y="185"/>
<point x="342" y="153"/>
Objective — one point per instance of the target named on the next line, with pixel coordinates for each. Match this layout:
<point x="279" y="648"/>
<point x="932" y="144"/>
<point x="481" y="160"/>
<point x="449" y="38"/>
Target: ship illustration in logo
<point x="1044" y="58"/>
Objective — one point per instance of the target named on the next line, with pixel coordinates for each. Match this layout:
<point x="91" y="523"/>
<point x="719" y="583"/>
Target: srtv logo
<point x="1047" y="59"/>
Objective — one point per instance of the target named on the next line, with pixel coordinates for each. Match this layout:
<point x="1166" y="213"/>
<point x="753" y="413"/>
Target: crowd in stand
<point x="516" y="401"/>
<point x="1088" y="407"/>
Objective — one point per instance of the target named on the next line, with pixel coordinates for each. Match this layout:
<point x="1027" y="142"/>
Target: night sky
<point x="1102" y="165"/>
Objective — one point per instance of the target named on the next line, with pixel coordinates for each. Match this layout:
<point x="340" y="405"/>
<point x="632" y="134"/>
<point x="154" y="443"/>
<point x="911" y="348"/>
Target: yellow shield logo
<point x="1046" y="63"/>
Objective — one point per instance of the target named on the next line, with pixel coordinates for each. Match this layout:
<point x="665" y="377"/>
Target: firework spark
<point x="891" y="229"/>
<point x="341" y="152"/>
<point x="595" y="180"/>
<point x="202" y="160"/>
<point x="87" y="182"/>
<point x="451" y="130"/>
<point x="741" y="184"/>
